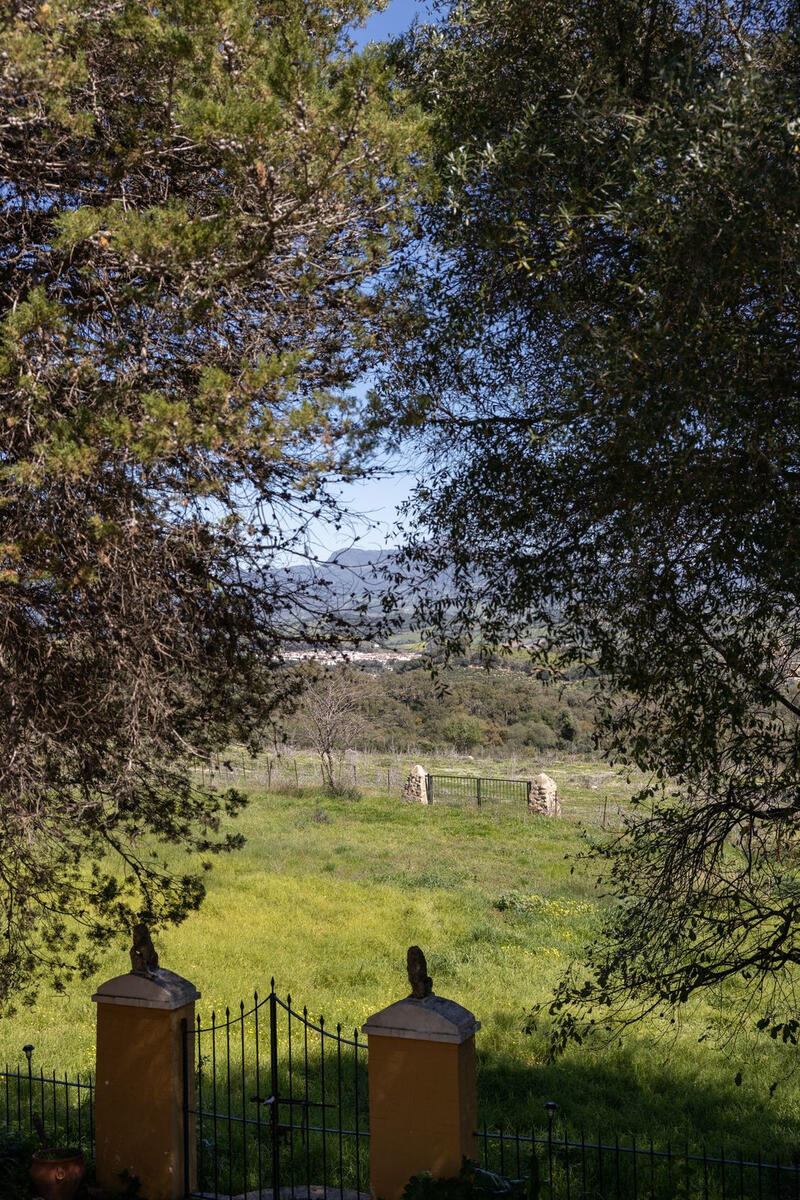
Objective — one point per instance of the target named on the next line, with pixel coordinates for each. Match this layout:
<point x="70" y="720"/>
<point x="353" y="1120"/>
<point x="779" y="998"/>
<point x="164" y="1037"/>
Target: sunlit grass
<point x="327" y="895"/>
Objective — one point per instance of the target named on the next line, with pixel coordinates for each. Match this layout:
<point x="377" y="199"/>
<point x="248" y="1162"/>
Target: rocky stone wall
<point x="416" y="786"/>
<point x="543" y="796"/>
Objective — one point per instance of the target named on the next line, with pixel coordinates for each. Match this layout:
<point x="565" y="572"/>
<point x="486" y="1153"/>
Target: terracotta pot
<point x="56" y="1174"/>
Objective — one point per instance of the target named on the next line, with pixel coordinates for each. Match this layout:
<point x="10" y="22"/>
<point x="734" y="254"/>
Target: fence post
<point x="145" y="1077"/>
<point x="422" y="1100"/>
<point x="274" y="1086"/>
<point x="187" y="1073"/>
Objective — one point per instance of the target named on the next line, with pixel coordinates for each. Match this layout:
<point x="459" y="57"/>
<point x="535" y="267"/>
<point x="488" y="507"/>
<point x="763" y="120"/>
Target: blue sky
<point x="373" y="503"/>
<point x="396" y="18"/>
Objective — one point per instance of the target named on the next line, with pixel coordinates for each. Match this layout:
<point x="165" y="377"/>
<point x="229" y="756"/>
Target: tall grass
<point x="327" y="895"/>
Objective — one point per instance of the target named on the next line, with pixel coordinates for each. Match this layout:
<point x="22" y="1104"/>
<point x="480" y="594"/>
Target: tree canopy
<point x="598" y="357"/>
<point x="197" y="198"/>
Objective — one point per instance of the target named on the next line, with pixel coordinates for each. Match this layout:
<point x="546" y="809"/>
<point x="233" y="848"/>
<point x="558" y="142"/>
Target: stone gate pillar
<point x="422" y="1098"/>
<point x="543" y="796"/>
<point x="415" y="788"/>
<point x="139" y="1097"/>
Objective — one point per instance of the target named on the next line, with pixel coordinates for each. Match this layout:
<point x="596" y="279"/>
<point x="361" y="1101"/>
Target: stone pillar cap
<point x="433" y="1019"/>
<point x="160" y="989"/>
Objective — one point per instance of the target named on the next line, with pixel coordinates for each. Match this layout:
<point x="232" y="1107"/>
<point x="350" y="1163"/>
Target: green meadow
<point x="327" y="895"/>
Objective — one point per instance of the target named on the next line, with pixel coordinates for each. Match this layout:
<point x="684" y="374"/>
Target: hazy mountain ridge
<point x="355" y="580"/>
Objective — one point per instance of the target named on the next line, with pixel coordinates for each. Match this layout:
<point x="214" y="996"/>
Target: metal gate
<point x="276" y="1101"/>
<point x="474" y="789"/>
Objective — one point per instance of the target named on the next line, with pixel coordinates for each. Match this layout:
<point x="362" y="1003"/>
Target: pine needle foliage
<point x="197" y="196"/>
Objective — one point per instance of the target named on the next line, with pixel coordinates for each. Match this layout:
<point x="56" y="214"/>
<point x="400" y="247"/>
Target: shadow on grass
<point x="619" y="1100"/>
<point x="640" y="1091"/>
<point x="321" y="1118"/>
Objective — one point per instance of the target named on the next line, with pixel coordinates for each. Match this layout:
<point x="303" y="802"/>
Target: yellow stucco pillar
<point x="139" y="1097"/>
<point x="422" y="1107"/>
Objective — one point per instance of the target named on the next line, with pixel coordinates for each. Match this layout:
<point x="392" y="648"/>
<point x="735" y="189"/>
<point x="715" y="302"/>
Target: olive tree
<point x="598" y="360"/>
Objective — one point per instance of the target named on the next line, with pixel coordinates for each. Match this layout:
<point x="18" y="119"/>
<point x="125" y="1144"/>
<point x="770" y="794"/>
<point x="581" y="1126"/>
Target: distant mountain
<point x="353" y="557"/>
<point x="353" y="578"/>
<point x="348" y="580"/>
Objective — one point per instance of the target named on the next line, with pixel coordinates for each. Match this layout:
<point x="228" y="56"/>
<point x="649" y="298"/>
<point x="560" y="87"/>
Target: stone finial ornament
<point x="418" y="977"/>
<point x="144" y="960"/>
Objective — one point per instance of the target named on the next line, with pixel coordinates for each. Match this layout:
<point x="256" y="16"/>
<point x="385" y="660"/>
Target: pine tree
<point x="197" y="199"/>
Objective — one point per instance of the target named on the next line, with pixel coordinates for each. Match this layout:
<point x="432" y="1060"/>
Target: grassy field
<point x="593" y="789"/>
<point x="328" y="894"/>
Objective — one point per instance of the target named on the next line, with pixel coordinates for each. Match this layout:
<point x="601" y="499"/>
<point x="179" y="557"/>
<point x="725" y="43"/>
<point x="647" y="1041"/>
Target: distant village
<point x="376" y="657"/>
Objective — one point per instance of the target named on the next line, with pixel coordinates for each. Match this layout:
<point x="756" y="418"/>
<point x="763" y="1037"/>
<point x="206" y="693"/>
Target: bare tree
<point x="332" y="719"/>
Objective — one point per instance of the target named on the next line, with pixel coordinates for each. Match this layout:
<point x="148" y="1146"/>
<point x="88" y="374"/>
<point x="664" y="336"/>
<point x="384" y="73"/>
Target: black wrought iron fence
<point x="554" y="1164"/>
<point x="62" y="1109"/>
<point x="279" y="1100"/>
<point x="474" y="789"/>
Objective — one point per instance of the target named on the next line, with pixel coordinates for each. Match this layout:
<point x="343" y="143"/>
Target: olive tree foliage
<point x="598" y="358"/>
<point x="196" y="198"/>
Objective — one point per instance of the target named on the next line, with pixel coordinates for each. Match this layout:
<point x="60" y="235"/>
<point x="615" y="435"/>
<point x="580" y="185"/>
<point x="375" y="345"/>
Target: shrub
<point x="471" y="1183"/>
<point x="462" y="731"/>
<point x="343" y="791"/>
<point x="540" y="735"/>
<point x="16" y="1149"/>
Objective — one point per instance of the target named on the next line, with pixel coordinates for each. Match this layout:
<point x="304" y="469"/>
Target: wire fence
<point x="591" y="799"/>
<point x="277" y="773"/>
